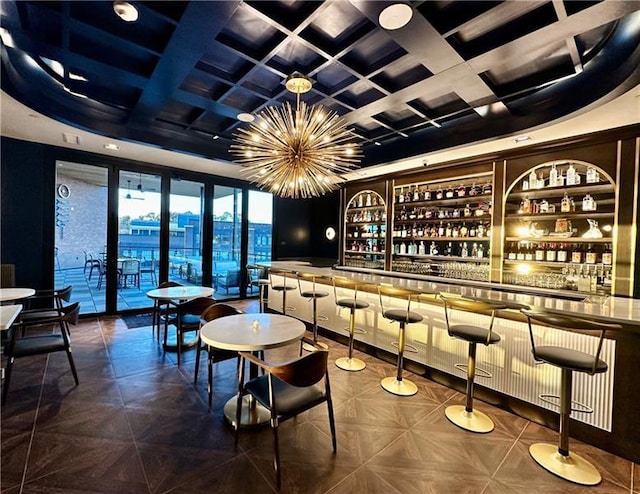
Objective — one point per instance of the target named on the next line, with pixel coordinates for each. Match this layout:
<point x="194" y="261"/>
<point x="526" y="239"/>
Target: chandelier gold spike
<point x="296" y="152"/>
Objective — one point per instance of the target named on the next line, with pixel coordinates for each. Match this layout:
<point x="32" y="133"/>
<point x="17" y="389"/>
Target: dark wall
<point x="27" y="217"/>
<point x="299" y="229"/>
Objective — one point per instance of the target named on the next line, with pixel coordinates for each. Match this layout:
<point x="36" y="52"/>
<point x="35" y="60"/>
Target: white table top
<point x="8" y="314"/>
<point x="252" y="332"/>
<point x="180" y="292"/>
<point x="15" y="293"/>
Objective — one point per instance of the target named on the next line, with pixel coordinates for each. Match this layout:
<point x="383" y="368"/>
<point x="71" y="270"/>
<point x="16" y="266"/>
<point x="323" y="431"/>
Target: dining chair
<point x="215" y="355"/>
<point x="187" y="319"/>
<point x="47" y="301"/>
<point x="57" y="341"/>
<point x="287" y="389"/>
<point x="91" y="263"/>
<point x="148" y="267"/>
<point x="161" y="309"/>
<point x="130" y="268"/>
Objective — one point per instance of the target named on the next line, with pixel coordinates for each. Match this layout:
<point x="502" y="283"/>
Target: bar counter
<point x="517" y="380"/>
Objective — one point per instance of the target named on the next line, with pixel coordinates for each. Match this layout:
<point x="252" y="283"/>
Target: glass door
<point x="138" y="238"/>
<point x="227" y="222"/>
<point x="260" y="212"/>
<point x="185" y="232"/>
<point x="81" y="233"/>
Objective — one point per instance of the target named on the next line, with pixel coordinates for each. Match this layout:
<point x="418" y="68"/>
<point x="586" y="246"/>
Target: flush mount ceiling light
<point x="246" y="117"/>
<point x="125" y="11"/>
<point x="395" y="16"/>
<point x="297" y="152"/>
<point x="111" y="146"/>
<point x="522" y="139"/>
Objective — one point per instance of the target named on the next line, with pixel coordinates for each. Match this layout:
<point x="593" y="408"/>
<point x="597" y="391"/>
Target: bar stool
<point x="558" y="460"/>
<point x="465" y="416"/>
<point x="352" y="303"/>
<point x="284" y="287"/>
<point x="260" y="283"/>
<point x="313" y="295"/>
<point x="397" y="385"/>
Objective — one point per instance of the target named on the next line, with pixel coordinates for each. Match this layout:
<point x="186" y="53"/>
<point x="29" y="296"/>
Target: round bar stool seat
<point x="398" y="385"/>
<point x="350" y="363"/>
<point x="282" y="287"/>
<point x="557" y="459"/>
<point x="464" y="416"/>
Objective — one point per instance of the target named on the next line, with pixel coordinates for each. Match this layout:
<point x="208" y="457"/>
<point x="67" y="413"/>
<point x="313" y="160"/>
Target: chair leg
<point x="465" y="416"/>
<point x="198" y="350"/>
<point x="73" y="366"/>
<point x="240" y="392"/>
<point x="397" y="385"/>
<point x="179" y="341"/>
<point x="556" y="459"/>
<point x="349" y="363"/>
<point x="276" y="449"/>
<point x="209" y="378"/>
<point x="7" y="379"/>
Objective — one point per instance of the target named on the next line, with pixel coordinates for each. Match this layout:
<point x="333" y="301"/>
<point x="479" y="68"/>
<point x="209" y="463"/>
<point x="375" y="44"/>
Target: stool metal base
<point x="573" y="468"/>
<point x="350" y="364"/>
<point x="472" y="421"/>
<point x="400" y="388"/>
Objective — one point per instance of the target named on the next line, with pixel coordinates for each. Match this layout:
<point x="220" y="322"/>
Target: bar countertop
<point x="625" y="311"/>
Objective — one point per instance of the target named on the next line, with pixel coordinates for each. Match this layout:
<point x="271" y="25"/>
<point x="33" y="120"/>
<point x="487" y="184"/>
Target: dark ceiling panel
<point x="181" y="74"/>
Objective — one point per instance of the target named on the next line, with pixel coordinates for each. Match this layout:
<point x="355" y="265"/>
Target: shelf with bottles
<point x="556" y="253"/>
<point x="444" y="192"/>
<point x="444" y="267"/>
<point x="365" y="230"/>
<point x="466" y="212"/>
<point x="466" y="250"/>
<point x="450" y="231"/>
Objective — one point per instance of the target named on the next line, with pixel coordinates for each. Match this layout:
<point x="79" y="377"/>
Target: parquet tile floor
<point x="137" y="424"/>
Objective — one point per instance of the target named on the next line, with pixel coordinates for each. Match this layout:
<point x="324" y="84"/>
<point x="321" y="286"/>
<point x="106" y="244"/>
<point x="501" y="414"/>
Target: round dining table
<point x="7" y="294"/>
<point x="250" y="333"/>
<point x="179" y="294"/>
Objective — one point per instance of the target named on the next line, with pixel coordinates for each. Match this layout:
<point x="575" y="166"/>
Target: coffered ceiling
<point x="458" y="72"/>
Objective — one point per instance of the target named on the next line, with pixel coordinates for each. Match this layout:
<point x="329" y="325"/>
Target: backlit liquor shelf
<point x="555" y="228"/>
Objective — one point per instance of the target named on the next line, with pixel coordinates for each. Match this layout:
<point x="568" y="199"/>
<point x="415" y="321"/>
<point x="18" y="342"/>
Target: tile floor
<point x="137" y="424"/>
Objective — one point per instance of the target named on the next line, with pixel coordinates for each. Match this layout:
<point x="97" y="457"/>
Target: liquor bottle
<point x="474" y="190"/>
<point x="481" y="230"/>
<point x="421" y="230"/>
<point x="533" y="180"/>
<point x="448" y="231"/>
<point x="576" y="255"/>
<point x="480" y="252"/>
<point x="421" y="248"/>
<point x="403" y="232"/>
<point x="571" y="175"/>
<point x="441" y="230"/>
<point x="455" y="231"/>
<point x="553" y="176"/>
<point x="403" y="248"/>
<point x="471" y="231"/>
<point x="408" y="195"/>
<point x="368" y="201"/>
<point x="396" y="249"/>
<point x="539" y="253"/>
<point x="449" y="193"/>
<point x="607" y="256"/>
<point x="589" y="203"/>
<point x="464" y="231"/>
<point x="416" y="194"/>
<point x="561" y="254"/>
<point x="433" y="249"/>
<point x="449" y="250"/>
<point x="374" y="200"/>
<point x="439" y="193"/>
<point x="592" y="175"/>
<point x="551" y="253"/>
<point x="401" y="195"/>
<point x="462" y="191"/>
<point x="565" y="204"/>
<point x="511" y="251"/>
<point x="413" y="213"/>
<point x="520" y="252"/>
<point x="474" y="250"/>
<point x="414" y="231"/>
<point x="421" y="213"/>
<point x="528" y="253"/>
<point x="464" y="252"/>
<point x="467" y="211"/>
<point x="590" y="255"/>
<point x="427" y="194"/>
<point x="487" y="188"/>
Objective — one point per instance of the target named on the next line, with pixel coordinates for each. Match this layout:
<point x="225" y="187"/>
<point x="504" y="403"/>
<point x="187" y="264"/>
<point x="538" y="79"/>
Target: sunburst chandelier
<point x="296" y="153"/>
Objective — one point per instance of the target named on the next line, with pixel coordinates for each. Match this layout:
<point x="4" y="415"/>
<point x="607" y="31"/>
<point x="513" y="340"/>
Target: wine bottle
<point x="590" y="255"/>
<point x="576" y="255"/>
<point x="607" y="256"/>
<point x="401" y="196"/>
<point x="551" y="253"/>
<point x="539" y="252"/>
<point x="561" y="254"/>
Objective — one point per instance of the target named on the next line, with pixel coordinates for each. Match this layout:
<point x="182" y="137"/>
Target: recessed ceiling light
<point x="246" y="117"/>
<point x="112" y="146"/>
<point x="377" y="143"/>
<point x="125" y="11"/>
<point x="216" y="136"/>
<point x="522" y="139"/>
<point x="395" y="16"/>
